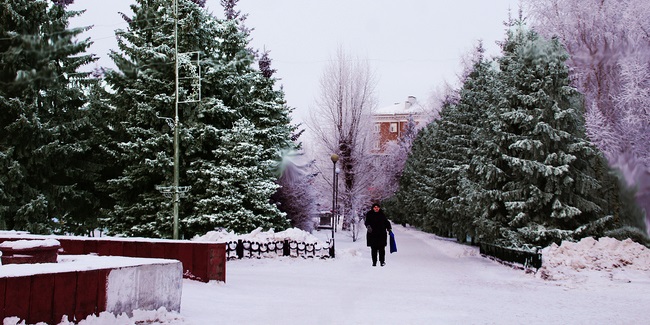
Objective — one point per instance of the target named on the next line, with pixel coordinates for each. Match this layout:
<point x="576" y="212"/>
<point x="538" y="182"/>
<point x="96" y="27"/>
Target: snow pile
<point x="13" y="232"/>
<point x="160" y="316"/>
<point x="606" y="255"/>
<point x="260" y="236"/>
<point x="27" y="244"/>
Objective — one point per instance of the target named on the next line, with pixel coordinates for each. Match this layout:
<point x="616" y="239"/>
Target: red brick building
<point x="391" y="121"/>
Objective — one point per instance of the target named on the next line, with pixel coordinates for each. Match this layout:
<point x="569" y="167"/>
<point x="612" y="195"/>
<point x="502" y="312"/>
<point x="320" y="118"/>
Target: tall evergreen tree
<point x="250" y="95"/>
<point x="44" y="181"/>
<point x="436" y="172"/>
<point x="466" y="125"/>
<point x="142" y="94"/>
<point x="232" y="92"/>
<point x="296" y="195"/>
<point x="545" y="187"/>
<point x="509" y="162"/>
<point x="417" y="188"/>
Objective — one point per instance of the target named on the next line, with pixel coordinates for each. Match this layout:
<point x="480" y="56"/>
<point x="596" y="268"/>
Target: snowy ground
<point x="430" y="280"/>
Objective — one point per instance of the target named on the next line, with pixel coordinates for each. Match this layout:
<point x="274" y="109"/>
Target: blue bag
<point x="393" y="245"/>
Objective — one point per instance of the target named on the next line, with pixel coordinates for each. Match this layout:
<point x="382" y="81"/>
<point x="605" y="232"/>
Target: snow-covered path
<point x="428" y="281"/>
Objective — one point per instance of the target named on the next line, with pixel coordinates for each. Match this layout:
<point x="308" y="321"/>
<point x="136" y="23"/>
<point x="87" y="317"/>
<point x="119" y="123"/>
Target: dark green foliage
<point x="549" y="188"/>
<point x="434" y="186"/>
<point x="509" y="162"/>
<point x="139" y="147"/>
<point x="628" y="232"/>
<point x="621" y="204"/>
<point x="230" y="141"/>
<point x="46" y="181"/>
<point x="236" y="198"/>
<point x="75" y="149"/>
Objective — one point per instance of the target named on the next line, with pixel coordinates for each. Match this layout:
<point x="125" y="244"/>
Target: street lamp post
<point x="334" y="158"/>
<point x="336" y="199"/>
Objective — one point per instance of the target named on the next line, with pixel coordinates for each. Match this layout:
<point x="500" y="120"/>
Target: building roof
<point x="407" y="107"/>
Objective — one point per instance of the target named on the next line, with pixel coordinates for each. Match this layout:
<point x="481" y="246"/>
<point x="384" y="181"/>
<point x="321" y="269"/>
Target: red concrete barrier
<point x="86" y="297"/>
<point x="109" y="248"/>
<point x="130" y="249"/>
<point x="65" y="288"/>
<point x="90" y="246"/>
<point x="185" y="255"/>
<point x="73" y="247"/>
<point x="217" y="262"/>
<point x="157" y="250"/>
<point x="30" y="251"/>
<point x="143" y="249"/>
<point x="47" y="297"/>
<point x="202" y="261"/>
<point x="18" y="291"/>
<point x="41" y="297"/>
<point x="3" y="286"/>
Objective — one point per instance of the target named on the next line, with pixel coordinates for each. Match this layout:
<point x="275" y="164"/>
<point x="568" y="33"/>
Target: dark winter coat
<point x="377" y="225"/>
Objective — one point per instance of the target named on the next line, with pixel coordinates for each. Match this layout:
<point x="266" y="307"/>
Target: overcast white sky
<point x="412" y="45"/>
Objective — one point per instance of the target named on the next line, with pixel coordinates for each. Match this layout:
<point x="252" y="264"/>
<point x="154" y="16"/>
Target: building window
<point x="377" y="126"/>
<point x="377" y="145"/>
<point x="393" y="127"/>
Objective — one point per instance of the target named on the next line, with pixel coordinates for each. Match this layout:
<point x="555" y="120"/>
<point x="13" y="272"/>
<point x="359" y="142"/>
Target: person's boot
<point x="383" y="263"/>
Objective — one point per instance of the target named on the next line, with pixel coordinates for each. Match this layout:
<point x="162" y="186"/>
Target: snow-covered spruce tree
<point x="235" y="195"/>
<point x="44" y="186"/>
<point x="448" y="159"/>
<point x="249" y="93"/>
<point x="103" y="164"/>
<point x="231" y="89"/>
<point x="429" y="185"/>
<point x="413" y="199"/>
<point x="545" y="186"/>
<point x="465" y="123"/>
<point x="435" y="174"/>
<point x="142" y="94"/>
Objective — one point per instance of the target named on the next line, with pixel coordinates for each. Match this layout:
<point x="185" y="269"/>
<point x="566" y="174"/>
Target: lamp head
<point x="334" y="158"/>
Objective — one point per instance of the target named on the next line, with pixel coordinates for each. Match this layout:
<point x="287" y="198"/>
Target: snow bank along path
<point x="612" y="257"/>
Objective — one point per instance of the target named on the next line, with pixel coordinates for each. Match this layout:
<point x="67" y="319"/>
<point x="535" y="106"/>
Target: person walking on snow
<point x="378" y="228"/>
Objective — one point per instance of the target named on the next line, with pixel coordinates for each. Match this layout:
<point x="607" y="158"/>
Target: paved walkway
<point x="428" y="281"/>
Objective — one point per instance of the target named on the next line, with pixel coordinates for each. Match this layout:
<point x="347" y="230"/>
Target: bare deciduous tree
<point x="342" y="125"/>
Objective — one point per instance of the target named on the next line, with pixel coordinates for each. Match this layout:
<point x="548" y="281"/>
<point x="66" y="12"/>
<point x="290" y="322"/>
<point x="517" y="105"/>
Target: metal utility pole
<point x="177" y="198"/>
<point x="175" y="190"/>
